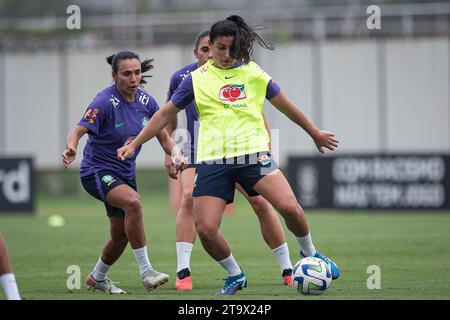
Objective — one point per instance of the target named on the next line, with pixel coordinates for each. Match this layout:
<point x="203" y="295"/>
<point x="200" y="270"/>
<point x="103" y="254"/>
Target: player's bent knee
<point x="133" y="204"/>
<point x="291" y="208"/>
<point x="186" y="199"/>
<point x="260" y="205"/>
<point x="206" y="232"/>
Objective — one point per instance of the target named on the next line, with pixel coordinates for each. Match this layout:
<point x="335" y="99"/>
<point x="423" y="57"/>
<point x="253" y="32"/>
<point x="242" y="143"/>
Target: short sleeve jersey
<point x="190" y="109"/>
<point x="113" y="123"/>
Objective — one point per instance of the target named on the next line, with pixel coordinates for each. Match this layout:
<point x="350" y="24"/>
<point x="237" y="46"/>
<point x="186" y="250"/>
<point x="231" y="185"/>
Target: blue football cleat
<point x="335" y="273"/>
<point x="233" y="284"/>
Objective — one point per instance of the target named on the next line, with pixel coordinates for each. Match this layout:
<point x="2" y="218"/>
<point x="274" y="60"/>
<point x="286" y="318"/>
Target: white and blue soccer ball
<point x="311" y="276"/>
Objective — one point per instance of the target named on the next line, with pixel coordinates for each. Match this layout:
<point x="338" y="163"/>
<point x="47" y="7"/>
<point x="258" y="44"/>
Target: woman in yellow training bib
<point x="271" y="228"/>
<point x="229" y="92"/>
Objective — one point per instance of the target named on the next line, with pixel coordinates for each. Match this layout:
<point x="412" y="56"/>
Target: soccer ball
<point x="311" y="276"/>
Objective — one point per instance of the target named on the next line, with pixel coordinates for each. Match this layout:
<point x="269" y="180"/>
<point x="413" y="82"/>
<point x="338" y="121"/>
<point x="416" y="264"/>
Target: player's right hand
<point x="179" y="162"/>
<point x="68" y="156"/>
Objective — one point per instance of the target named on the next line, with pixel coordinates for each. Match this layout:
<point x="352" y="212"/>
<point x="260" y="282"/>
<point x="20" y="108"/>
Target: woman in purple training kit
<point x="113" y="119"/>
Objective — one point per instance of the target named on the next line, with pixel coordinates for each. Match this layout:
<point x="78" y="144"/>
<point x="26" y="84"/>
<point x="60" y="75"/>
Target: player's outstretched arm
<point x="70" y="152"/>
<point x="154" y="126"/>
<point x="322" y="139"/>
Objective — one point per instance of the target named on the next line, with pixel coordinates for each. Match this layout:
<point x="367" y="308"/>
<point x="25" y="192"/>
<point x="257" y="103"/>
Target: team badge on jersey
<point x="108" y="179"/>
<point x="232" y="92"/>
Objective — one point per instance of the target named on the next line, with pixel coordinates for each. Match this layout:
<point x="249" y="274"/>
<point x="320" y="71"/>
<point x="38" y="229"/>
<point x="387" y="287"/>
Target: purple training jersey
<point x="191" y="109"/>
<point x="113" y="123"/>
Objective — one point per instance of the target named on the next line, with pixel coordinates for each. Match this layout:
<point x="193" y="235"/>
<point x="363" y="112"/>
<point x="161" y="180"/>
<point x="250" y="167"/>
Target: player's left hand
<point x="325" y="139"/>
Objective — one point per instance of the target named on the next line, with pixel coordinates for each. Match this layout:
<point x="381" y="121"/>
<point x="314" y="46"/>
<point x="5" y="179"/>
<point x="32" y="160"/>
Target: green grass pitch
<point x="411" y="248"/>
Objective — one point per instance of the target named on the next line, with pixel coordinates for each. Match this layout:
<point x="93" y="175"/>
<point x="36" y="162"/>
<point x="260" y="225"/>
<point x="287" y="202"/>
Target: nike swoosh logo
<point x="118" y="125"/>
<point x="229" y="77"/>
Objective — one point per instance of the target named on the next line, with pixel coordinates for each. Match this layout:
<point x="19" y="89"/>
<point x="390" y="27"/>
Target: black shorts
<point x="101" y="183"/>
<point x="218" y="179"/>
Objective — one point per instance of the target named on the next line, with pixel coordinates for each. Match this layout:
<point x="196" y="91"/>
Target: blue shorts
<point x="100" y="184"/>
<point x="218" y="179"/>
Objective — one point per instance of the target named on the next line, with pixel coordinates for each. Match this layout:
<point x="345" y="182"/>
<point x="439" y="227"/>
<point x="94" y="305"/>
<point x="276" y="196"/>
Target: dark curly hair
<point x="243" y="35"/>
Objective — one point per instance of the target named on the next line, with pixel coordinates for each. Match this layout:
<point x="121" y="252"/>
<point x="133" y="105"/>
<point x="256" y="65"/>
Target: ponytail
<point x="146" y="65"/>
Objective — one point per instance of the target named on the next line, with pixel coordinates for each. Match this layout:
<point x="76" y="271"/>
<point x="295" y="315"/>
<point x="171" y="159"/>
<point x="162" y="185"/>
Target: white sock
<point x="306" y="245"/>
<point x="142" y="259"/>
<point x="100" y="270"/>
<point x="184" y="250"/>
<point x="230" y="265"/>
<point x="9" y="284"/>
<point x="282" y="255"/>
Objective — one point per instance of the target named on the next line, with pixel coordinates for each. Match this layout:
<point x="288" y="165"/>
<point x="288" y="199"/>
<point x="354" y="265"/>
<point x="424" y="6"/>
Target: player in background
<point x="7" y="278"/>
<point x="271" y="228"/>
<point x="115" y="116"/>
<point x="229" y="92"/>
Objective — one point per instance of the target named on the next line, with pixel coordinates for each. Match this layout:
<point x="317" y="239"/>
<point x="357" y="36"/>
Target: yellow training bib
<point x="230" y="107"/>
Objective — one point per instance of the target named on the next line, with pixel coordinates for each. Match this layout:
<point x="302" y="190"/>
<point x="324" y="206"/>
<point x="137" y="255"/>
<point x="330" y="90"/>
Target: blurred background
<point x="382" y="90"/>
